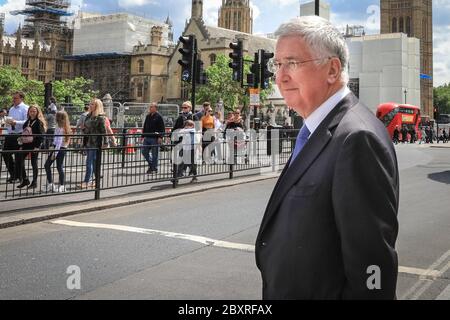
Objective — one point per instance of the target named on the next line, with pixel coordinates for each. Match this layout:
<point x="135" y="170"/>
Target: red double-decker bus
<point x="399" y="115"/>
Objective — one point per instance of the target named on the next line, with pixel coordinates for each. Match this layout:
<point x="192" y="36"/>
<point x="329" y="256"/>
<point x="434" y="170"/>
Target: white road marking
<point x="445" y="295"/>
<point x="423" y="283"/>
<point x="420" y="272"/>
<point x="210" y="242"/>
<point x="189" y="237"/>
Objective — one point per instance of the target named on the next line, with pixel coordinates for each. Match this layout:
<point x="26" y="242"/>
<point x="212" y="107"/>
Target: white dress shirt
<point x="316" y="118"/>
<point x="20" y="114"/>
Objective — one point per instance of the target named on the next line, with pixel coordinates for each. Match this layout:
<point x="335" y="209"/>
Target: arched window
<point x="140" y="90"/>
<point x="408" y="26"/>
<point x="394" y="25"/>
<point x="401" y="27"/>
<point x="141" y="66"/>
<point x="212" y="58"/>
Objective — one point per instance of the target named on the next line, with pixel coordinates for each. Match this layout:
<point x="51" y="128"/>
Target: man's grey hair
<point x="323" y="39"/>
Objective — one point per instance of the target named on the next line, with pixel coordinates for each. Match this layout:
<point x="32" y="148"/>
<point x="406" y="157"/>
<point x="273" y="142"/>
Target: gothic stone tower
<point x="414" y="17"/>
<point x="197" y="9"/>
<point x="236" y="15"/>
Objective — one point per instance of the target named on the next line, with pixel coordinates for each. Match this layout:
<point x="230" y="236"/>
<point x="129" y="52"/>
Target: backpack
<point x="27" y="134"/>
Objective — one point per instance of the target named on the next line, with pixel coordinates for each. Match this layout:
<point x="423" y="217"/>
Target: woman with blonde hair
<point x="33" y="129"/>
<point x="61" y="143"/>
<point x="95" y="123"/>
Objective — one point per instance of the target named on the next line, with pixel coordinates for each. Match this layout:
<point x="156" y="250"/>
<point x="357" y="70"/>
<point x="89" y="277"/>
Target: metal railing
<point x="124" y="165"/>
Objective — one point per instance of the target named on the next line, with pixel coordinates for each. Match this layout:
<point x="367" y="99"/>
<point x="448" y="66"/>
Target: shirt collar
<point x="22" y="104"/>
<point x="316" y="118"/>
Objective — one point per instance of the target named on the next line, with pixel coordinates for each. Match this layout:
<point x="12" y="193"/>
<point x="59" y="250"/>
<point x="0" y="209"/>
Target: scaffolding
<point x="354" y="31"/>
<point x="2" y="21"/>
<point x="43" y="16"/>
<point x="110" y="73"/>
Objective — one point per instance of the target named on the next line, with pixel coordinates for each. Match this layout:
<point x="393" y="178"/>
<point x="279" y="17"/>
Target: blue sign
<point x="425" y="76"/>
<point x="186" y="75"/>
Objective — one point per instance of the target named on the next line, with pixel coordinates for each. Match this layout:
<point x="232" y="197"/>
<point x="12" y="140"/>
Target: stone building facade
<point x="414" y="18"/>
<point x="39" y="58"/>
<point x="211" y="41"/>
<point x="236" y="15"/>
<point x="125" y="55"/>
<point x="149" y="74"/>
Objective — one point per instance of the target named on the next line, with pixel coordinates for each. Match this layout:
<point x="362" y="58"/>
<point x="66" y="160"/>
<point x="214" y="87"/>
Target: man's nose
<point x="282" y="76"/>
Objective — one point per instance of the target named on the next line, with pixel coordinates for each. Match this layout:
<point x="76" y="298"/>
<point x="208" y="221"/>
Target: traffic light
<point x="187" y="57"/>
<point x="238" y="60"/>
<point x="436" y="114"/>
<point x="253" y="78"/>
<point x="265" y="73"/>
<point x="200" y="74"/>
<point x="48" y="88"/>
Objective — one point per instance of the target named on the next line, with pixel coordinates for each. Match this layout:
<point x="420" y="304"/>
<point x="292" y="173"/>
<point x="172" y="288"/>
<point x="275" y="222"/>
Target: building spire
<point x="197" y="9"/>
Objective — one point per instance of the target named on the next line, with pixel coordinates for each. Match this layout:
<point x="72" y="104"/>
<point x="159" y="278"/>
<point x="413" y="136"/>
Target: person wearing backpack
<point x="31" y="139"/>
<point x="95" y="123"/>
<point x="50" y="117"/>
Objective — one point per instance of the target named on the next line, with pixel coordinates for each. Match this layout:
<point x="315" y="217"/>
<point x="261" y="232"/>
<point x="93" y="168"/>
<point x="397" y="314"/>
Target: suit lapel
<point x="317" y="142"/>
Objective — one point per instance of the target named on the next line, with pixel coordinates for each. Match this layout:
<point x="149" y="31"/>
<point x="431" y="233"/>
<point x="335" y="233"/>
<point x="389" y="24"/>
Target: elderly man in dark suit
<point x="330" y="226"/>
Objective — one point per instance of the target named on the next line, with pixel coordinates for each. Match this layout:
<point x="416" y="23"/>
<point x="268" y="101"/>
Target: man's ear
<point x="334" y="71"/>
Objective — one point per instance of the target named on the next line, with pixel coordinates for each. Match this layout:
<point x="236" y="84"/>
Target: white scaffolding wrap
<point x="117" y="33"/>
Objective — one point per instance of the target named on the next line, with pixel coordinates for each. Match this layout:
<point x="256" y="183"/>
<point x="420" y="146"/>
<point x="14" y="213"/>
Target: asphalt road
<point x="169" y="249"/>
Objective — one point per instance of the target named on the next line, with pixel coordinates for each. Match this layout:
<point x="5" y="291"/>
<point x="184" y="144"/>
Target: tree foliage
<point x="78" y="89"/>
<point x="442" y="98"/>
<point x="11" y="80"/>
<point x="221" y="86"/>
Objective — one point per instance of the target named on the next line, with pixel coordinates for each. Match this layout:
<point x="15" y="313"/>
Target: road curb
<point x="109" y="203"/>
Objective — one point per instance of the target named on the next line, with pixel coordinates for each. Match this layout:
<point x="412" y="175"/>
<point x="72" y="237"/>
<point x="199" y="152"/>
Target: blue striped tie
<point x="302" y="139"/>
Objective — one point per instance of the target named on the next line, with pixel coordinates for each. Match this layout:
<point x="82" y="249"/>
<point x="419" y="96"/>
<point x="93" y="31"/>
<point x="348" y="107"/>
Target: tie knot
<point x="304" y="132"/>
<point x="302" y="139"/>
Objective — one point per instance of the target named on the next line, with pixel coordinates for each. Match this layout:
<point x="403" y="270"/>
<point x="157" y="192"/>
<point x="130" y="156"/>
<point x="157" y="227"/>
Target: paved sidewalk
<point x="27" y="211"/>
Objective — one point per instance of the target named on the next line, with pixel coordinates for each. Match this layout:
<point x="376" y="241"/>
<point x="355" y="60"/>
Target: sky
<point x="267" y="16"/>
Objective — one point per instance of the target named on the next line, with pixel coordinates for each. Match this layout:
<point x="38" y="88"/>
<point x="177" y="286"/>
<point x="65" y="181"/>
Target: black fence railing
<point x="122" y="164"/>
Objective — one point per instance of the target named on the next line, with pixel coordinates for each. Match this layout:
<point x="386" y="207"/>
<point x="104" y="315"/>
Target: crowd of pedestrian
<point x="426" y="135"/>
<point x="28" y="131"/>
<point x="32" y="131"/>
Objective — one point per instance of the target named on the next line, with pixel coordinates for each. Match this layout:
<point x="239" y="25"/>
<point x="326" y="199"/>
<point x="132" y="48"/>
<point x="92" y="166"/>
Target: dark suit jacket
<point x="333" y="213"/>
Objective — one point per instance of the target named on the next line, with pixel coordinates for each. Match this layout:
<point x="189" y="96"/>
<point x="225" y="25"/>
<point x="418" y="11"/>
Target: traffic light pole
<point x="437" y="126"/>
<point x="194" y="75"/>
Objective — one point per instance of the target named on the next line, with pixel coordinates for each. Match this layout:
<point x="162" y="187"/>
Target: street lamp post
<point x="317" y="7"/>
<point x="405" y="92"/>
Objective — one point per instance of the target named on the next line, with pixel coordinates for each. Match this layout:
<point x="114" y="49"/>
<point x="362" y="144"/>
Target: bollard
<point x="124" y="144"/>
<point x="98" y="170"/>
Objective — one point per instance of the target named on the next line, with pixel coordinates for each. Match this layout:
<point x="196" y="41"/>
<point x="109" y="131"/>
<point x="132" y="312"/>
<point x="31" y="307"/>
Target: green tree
<point x="221" y="86"/>
<point x="78" y="89"/>
<point x="442" y="98"/>
<point x="11" y="80"/>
